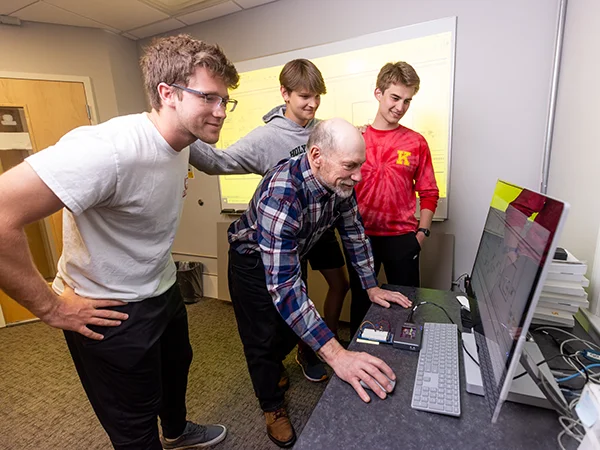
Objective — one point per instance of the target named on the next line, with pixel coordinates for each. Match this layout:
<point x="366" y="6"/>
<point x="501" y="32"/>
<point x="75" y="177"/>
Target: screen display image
<point x="408" y="333"/>
<point x="520" y="232"/>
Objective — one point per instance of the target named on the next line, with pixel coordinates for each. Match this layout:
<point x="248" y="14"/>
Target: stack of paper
<point x="563" y="293"/>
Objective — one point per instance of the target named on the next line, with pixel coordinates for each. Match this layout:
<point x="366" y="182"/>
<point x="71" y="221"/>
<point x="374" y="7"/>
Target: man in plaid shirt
<point x="293" y="205"/>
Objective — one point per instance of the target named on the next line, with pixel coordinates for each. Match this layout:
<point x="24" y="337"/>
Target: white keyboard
<point x="437" y="382"/>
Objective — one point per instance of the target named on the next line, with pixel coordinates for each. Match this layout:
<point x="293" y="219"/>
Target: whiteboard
<point x="350" y="69"/>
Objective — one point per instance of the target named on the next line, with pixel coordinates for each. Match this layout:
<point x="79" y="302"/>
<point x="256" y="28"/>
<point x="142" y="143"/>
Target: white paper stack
<point x="563" y="293"/>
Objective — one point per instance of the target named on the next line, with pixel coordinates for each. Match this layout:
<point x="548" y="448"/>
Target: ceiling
<point x="134" y="19"/>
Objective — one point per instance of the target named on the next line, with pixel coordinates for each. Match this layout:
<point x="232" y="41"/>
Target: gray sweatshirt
<point x="261" y="149"/>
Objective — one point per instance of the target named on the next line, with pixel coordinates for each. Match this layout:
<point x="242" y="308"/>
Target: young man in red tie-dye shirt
<point x="398" y="166"/>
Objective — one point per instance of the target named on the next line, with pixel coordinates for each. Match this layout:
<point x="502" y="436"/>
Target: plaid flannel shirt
<point x="289" y="212"/>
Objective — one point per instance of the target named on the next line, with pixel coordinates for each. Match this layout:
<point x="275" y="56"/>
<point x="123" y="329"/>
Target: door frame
<point x="47" y="236"/>
<point x="87" y="86"/>
<point x="90" y="100"/>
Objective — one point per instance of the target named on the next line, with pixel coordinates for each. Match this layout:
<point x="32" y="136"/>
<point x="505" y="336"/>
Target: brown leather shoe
<point x="279" y="428"/>
<point x="284" y="381"/>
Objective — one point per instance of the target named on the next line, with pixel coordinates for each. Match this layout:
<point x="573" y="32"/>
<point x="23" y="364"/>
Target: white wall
<point x="504" y="58"/>
<point x="503" y="70"/>
<point x="126" y="74"/>
<point x="109" y="60"/>
<point x="575" y="164"/>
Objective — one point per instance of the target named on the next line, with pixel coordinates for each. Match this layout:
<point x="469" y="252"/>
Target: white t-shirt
<point x="123" y="186"/>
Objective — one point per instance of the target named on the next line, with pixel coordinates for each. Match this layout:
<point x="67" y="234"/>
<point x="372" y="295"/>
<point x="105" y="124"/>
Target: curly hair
<point x="173" y="59"/>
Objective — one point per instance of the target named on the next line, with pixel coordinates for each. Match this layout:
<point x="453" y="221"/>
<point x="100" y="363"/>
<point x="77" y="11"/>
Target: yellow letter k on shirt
<point x="403" y="158"/>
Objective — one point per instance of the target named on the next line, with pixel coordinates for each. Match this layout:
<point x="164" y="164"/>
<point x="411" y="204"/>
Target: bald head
<point x="336" y="135"/>
<point x="336" y="151"/>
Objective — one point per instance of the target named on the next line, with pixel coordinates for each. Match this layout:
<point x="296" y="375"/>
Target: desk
<point x="341" y="420"/>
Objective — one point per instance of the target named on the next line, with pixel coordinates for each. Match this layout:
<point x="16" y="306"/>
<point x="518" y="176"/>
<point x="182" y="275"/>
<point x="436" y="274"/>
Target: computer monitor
<point x="519" y="238"/>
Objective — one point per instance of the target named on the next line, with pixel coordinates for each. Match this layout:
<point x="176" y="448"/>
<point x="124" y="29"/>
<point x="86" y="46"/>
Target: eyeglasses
<point x="211" y="99"/>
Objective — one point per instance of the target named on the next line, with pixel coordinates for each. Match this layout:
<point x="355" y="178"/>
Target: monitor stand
<point x="523" y="390"/>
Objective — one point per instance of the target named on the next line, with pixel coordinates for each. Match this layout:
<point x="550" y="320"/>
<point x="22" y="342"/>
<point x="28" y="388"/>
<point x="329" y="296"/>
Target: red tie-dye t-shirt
<point x="398" y="166"/>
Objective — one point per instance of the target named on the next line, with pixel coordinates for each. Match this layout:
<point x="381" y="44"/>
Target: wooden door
<point x="51" y="109"/>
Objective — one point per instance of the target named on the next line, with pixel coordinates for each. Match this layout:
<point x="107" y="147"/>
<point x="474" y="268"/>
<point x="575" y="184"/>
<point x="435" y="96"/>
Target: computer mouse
<point x="392" y="382"/>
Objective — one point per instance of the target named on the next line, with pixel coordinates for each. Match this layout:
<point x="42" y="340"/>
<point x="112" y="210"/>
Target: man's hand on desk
<point x="355" y="366"/>
<point x="384" y="298"/>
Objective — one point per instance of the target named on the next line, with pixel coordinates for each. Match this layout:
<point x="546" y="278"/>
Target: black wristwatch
<point x="425" y="231"/>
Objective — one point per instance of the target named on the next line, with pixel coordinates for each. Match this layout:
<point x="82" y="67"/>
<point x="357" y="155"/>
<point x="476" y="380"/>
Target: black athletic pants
<point x="138" y="372"/>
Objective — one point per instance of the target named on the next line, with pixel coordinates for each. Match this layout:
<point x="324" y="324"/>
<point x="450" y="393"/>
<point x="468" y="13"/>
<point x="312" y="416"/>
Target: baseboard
<point x="23" y="322"/>
<point x="210" y="284"/>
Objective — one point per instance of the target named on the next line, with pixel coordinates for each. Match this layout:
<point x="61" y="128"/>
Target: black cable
<point x="573" y="357"/>
<point x="432" y="304"/>
<point x="449" y="318"/>
<point x="409" y="319"/>
<point x="542" y="362"/>
<point x="556" y="341"/>
<point x="570" y="356"/>
<point x="467" y="351"/>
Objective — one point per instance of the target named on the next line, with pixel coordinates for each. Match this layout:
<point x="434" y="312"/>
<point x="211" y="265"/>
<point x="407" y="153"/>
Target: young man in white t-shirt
<point x="122" y="185"/>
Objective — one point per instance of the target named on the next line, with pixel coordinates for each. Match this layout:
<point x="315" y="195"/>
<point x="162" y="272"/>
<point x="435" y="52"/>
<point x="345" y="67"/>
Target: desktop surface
<point x="342" y="420"/>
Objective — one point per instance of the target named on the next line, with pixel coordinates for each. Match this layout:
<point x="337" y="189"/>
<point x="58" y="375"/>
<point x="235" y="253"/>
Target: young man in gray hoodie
<point x="284" y="135"/>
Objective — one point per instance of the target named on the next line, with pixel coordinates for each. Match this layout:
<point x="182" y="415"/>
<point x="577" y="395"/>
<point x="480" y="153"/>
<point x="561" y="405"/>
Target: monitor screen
<point x="520" y="233"/>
